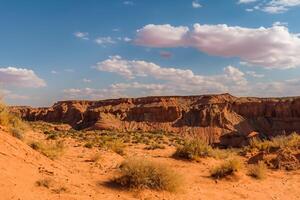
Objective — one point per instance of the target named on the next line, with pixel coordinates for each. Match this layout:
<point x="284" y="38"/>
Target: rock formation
<point x="222" y="119"/>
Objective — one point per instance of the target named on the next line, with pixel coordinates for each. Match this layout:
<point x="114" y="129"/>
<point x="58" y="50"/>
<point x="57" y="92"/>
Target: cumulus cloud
<point x="105" y="40"/>
<point x="82" y="35"/>
<point x="273" y="47"/>
<point x="7" y="94"/>
<point x="181" y="81"/>
<point x="196" y="4"/>
<point x="20" y="77"/>
<point x="175" y="81"/>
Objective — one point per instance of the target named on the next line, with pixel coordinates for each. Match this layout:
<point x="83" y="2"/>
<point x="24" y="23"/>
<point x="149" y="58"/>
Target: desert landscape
<point x="149" y="100"/>
<point x="104" y="150"/>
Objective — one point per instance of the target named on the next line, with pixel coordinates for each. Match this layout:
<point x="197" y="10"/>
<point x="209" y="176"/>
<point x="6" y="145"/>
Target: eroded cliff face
<point x="223" y="119"/>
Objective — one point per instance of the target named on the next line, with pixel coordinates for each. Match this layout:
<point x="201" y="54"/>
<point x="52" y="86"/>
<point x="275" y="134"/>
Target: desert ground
<point x="85" y="170"/>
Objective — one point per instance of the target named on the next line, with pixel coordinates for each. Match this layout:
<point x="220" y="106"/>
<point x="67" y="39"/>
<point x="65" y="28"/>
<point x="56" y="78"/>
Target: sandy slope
<point x="21" y="167"/>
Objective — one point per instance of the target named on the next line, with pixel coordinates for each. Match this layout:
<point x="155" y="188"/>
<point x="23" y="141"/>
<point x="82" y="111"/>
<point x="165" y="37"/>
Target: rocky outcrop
<point x="223" y="119"/>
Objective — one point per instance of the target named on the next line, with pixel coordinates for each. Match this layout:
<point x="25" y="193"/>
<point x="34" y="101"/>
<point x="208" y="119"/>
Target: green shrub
<point x="144" y="174"/>
<point x="227" y="168"/>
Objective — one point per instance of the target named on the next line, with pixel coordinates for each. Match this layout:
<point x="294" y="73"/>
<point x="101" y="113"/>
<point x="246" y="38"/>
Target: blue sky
<point x="97" y="49"/>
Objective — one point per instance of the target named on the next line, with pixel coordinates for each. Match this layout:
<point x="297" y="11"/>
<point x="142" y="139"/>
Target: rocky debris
<point x="286" y="159"/>
<point x="223" y="119"/>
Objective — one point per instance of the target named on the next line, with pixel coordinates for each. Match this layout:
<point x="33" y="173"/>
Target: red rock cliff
<point x="217" y="118"/>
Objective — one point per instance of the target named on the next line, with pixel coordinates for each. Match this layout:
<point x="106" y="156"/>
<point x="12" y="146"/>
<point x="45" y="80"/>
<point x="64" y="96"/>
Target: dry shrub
<point x="227" y="168"/>
<point x="144" y="174"/>
<point x="15" y="125"/>
<point x="116" y="146"/>
<point x="52" y="151"/>
<point x="46" y="182"/>
<point x="258" y="171"/>
<point x="280" y="142"/>
<point x="193" y="149"/>
<point x="155" y="145"/>
<point x="96" y="157"/>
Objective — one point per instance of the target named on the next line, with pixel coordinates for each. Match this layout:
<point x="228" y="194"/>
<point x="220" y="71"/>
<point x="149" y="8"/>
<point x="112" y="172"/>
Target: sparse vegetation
<point x="46" y="182"/>
<point x="193" y="149"/>
<point x="51" y="150"/>
<point x="279" y="142"/>
<point x="117" y="146"/>
<point x="144" y="174"/>
<point x="15" y="125"/>
<point x="88" y="145"/>
<point x="154" y="146"/>
<point x="227" y="168"/>
<point x="258" y="171"/>
<point x="95" y="158"/>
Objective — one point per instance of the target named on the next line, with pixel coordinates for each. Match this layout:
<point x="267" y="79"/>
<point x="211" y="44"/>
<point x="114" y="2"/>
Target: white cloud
<point x="85" y="80"/>
<point x="273" y="6"/>
<point x="82" y="35"/>
<point x="7" y="94"/>
<point x="162" y="35"/>
<point x="175" y="80"/>
<point x="196" y="4"/>
<point x="280" y="6"/>
<point x="105" y="40"/>
<point x="128" y="3"/>
<point x="273" y="47"/>
<point x="20" y="77"/>
<point x="246" y="1"/>
<point x="254" y="74"/>
<point x="53" y="72"/>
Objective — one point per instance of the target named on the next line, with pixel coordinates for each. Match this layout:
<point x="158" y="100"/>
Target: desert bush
<point x="279" y="142"/>
<point x="88" y="145"/>
<point x="155" y="145"/>
<point x="258" y="171"/>
<point x="15" y="125"/>
<point x="116" y="146"/>
<point x="95" y="158"/>
<point x="227" y="168"/>
<point x="144" y="174"/>
<point x="193" y="149"/>
<point x="52" y="151"/>
<point x="46" y="182"/>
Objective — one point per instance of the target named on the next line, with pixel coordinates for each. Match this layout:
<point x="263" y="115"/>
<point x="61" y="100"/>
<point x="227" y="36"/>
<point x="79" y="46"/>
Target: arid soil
<point x="27" y="175"/>
<point x="222" y="119"/>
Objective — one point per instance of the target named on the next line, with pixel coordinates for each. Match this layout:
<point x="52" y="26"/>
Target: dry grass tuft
<point x="16" y="126"/>
<point x="116" y="146"/>
<point x="258" y="171"/>
<point x="227" y="168"/>
<point x="193" y="149"/>
<point x="46" y="182"/>
<point x="144" y="174"/>
<point x="280" y="142"/>
<point x="52" y="151"/>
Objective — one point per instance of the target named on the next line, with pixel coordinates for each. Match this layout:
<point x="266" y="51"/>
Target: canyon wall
<point x="222" y="119"/>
